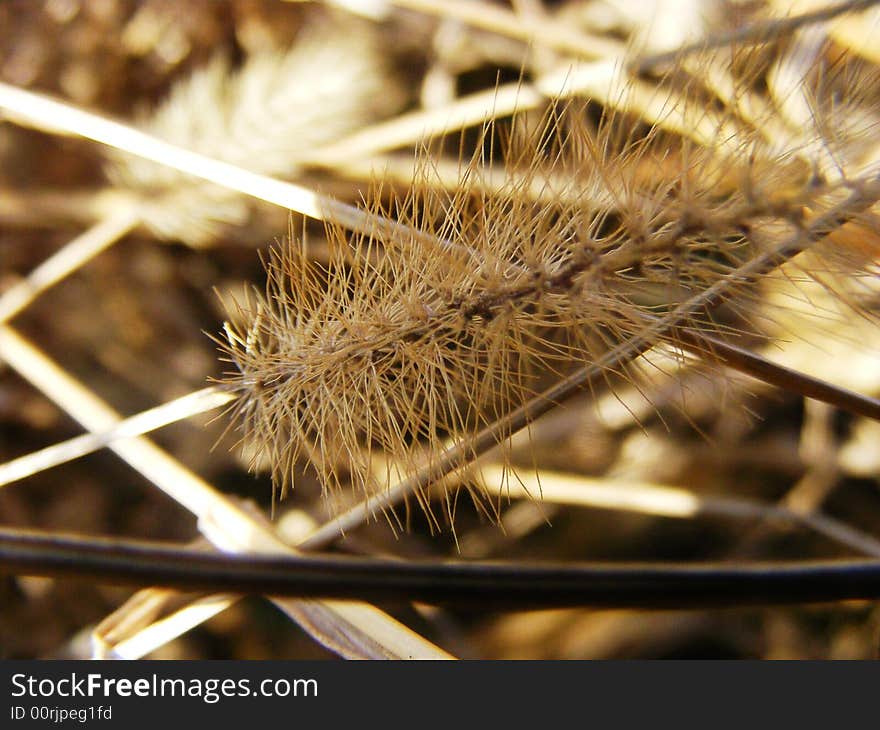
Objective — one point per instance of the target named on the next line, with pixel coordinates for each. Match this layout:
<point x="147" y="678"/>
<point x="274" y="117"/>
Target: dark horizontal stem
<point x="484" y="584"/>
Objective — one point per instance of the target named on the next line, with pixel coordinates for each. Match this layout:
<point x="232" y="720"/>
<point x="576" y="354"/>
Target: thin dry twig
<point x="69" y="258"/>
<point x="227" y="525"/>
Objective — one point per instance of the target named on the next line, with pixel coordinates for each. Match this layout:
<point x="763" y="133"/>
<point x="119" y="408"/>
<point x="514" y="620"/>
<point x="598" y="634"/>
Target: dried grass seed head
<point x="398" y="348"/>
<point x="264" y="116"/>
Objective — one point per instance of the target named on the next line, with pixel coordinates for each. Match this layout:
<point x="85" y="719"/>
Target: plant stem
<point x="484" y="584"/>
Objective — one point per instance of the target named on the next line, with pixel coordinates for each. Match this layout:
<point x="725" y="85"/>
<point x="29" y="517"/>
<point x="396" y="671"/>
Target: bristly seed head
<point x="398" y="347"/>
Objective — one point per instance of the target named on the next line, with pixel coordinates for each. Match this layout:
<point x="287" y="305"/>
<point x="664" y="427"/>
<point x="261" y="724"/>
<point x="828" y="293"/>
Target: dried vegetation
<point x="535" y="235"/>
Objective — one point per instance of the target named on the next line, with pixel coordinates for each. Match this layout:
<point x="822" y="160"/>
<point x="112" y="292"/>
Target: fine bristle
<point x="400" y="347"/>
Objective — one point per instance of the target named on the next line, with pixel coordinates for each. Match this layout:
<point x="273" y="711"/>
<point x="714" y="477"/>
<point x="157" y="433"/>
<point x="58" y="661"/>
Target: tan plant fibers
<point x="399" y="347"/>
<point x="264" y="116"/>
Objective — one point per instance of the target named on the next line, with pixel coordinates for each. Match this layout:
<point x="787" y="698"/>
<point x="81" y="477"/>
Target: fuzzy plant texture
<point x="601" y="231"/>
<point x="265" y="116"/>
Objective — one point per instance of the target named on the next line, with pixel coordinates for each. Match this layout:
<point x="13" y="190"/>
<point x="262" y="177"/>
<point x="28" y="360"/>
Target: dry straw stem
<point x="58" y="117"/>
<point x="658" y="499"/>
<point x="202" y="98"/>
<point x="208" y="399"/>
<point x="361" y="629"/>
<point x="154" y="617"/>
<point x="69" y="258"/>
<point x="555" y="487"/>
<point x="600" y="80"/>
<point x="200" y="401"/>
<point x="593" y="79"/>
<point x="543" y="31"/>
<point x="137" y="613"/>
<point x="138" y="627"/>
<point x="262" y="117"/>
<point x="149" y="638"/>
